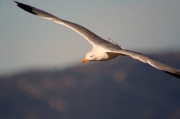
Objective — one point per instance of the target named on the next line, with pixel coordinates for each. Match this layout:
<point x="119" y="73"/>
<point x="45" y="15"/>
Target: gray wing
<point x="87" y="34"/>
<point x="143" y="58"/>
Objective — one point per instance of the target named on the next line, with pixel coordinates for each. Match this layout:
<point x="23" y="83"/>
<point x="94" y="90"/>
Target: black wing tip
<point x="18" y="3"/>
<point x="25" y="7"/>
<point x="177" y="74"/>
<point x="15" y="2"/>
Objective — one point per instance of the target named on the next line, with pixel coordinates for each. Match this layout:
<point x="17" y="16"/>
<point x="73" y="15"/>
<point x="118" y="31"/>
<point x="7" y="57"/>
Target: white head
<point x="90" y="56"/>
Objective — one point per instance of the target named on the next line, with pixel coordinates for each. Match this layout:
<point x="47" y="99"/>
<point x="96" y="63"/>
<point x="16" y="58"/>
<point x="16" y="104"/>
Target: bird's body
<point x="102" y="50"/>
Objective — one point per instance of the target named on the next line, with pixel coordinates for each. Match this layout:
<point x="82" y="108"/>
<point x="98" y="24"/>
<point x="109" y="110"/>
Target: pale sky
<point x="29" y="42"/>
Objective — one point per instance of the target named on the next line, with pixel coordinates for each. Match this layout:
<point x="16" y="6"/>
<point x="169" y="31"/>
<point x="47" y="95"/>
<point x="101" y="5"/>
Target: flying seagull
<point x="102" y="49"/>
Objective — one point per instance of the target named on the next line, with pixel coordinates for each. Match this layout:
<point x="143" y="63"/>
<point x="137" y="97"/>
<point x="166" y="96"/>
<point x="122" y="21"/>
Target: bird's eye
<point x="91" y="55"/>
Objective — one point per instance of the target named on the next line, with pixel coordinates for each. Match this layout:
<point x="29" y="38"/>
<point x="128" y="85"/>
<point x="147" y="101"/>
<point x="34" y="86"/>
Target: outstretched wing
<point x="143" y="58"/>
<point x="87" y="34"/>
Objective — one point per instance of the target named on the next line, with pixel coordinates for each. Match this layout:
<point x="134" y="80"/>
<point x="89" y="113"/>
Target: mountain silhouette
<point x="122" y="88"/>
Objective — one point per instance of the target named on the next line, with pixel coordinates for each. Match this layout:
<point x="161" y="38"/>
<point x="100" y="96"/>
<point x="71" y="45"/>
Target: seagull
<point x="102" y="50"/>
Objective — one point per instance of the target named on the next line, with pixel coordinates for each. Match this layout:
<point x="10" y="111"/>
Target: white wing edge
<point x="145" y="59"/>
<point x="77" y="28"/>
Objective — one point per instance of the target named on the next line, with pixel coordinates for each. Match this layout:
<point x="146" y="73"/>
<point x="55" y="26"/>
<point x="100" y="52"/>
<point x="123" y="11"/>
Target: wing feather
<point x="145" y="59"/>
<point x="87" y="34"/>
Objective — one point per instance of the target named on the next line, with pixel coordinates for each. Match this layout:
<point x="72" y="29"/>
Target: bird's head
<point x="90" y="56"/>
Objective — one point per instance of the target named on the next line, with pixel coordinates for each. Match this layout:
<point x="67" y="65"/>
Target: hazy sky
<point x="28" y="41"/>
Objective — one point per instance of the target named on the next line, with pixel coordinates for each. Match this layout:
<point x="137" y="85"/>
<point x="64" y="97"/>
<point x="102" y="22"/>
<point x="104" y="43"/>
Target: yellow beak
<point x="84" y="60"/>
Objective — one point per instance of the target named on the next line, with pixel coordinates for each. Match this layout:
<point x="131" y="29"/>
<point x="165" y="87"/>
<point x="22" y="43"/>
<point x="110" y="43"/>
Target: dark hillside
<point x="121" y="88"/>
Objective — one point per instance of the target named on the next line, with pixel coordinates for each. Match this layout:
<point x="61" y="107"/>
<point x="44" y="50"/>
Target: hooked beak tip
<point x="84" y="60"/>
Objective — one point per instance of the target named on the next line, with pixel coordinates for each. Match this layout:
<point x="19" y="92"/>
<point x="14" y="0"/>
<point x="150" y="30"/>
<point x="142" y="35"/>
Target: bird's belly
<point x="112" y="55"/>
<point x="107" y="56"/>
